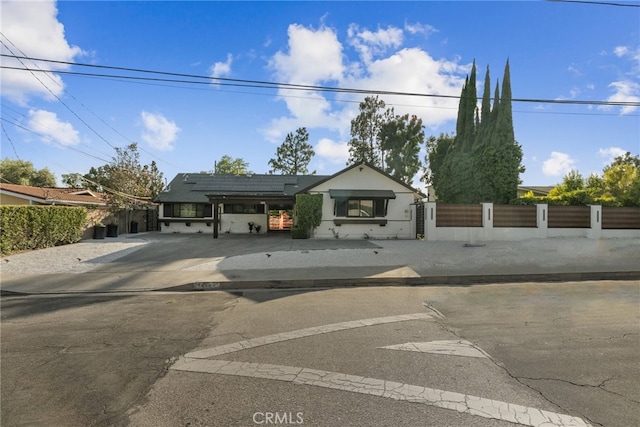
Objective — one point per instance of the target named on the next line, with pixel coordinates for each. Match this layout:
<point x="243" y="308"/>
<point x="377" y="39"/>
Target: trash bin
<point x="99" y="231"/>
<point x="134" y="227"/>
<point x="112" y="230"/>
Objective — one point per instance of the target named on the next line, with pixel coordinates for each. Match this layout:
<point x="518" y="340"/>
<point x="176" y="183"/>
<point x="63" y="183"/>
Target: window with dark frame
<point x="361" y="208"/>
<point x="244" y="208"/>
<point x="187" y="210"/>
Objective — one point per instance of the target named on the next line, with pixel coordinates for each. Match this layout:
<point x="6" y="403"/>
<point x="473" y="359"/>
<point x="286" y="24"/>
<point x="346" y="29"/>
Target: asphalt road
<point x="84" y="360"/>
<point x="567" y="348"/>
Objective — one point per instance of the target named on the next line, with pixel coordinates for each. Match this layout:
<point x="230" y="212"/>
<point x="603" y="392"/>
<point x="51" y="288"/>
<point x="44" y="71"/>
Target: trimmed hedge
<point x="573" y="198"/>
<point x="35" y="227"/>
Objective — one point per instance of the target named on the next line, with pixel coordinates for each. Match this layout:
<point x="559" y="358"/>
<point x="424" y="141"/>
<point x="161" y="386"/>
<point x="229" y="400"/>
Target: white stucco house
<point x="359" y="202"/>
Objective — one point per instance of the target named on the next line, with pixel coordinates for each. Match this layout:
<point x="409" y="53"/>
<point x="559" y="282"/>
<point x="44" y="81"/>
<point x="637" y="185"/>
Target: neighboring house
<point x="360" y="201"/>
<point x="14" y="194"/>
<point x="538" y="191"/>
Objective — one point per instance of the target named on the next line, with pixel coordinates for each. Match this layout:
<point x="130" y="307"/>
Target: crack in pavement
<point x="449" y="329"/>
<point x="600" y="386"/>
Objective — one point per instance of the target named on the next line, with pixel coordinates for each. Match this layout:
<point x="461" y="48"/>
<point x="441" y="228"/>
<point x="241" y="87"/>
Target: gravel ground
<point x="75" y="258"/>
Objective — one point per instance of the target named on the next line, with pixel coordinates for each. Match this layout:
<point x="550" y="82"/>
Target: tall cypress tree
<point x="470" y="111"/>
<point x="500" y="160"/>
<point x="484" y="162"/>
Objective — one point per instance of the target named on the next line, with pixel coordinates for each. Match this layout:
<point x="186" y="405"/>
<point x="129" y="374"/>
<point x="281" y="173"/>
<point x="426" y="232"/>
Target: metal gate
<point x="420" y="220"/>
<point x="152" y="219"/>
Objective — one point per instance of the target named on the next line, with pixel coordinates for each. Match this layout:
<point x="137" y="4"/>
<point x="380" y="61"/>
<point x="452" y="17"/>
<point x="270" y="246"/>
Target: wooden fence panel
<point x="620" y="218"/>
<point x="514" y="216"/>
<point x="459" y="215"/>
<point x="569" y="216"/>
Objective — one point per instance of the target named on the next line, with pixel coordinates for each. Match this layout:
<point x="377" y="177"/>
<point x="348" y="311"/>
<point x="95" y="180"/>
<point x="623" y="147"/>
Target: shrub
<point x="308" y="213"/>
<point x="36" y="227"/>
<point x="298" y="233"/>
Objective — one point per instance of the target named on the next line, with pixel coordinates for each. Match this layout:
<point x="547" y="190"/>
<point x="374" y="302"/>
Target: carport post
<point x="215" y="219"/>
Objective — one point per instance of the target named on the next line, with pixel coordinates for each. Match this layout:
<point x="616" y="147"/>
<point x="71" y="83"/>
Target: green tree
<point x="484" y="161"/>
<point x="24" y="173"/>
<point x="401" y="139"/>
<point x="128" y="181"/>
<point x="365" y="144"/>
<point x="294" y="155"/>
<point x="437" y="149"/>
<point x="621" y="180"/>
<point x="618" y="185"/>
<point x="73" y="180"/>
<point x="230" y="166"/>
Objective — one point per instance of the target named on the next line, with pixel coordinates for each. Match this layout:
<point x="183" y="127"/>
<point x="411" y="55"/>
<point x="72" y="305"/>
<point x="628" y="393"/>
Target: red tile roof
<point x="51" y="195"/>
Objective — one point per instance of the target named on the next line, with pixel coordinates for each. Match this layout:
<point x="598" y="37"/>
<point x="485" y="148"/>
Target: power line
<point x="599" y="3"/>
<point x="278" y="85"/>
<point x="84" y="106"/>
<point x="32" y="71"/>
<point x="12" y="146"/>
<point x="41" y="135"/>
<point x="17" y="119"/>
<point x="348" y="101"/>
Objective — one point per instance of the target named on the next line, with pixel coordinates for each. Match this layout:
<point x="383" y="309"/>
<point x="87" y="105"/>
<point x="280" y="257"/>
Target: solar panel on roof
<point x="244" y="183"/>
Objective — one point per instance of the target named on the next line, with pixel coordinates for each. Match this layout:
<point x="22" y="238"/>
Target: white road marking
<point x="301" y="333"/>
<point x="446" y="347"/>
<point x="459" y="402"/>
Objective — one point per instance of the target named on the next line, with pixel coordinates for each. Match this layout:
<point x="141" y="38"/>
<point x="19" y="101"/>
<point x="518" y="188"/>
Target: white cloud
<point x="419" y="28"/>
<point x="370" y="44"/>
<point x="334" y="152"/>
<point x="51" y="129"/>
<point x="625" y="91"/>
<point x="610" y="153"/>
<point x="221" y="69"/>
<point x="158" y="132"/>
<point x="32" y="28"/>
<point x="315" y="57"/>
<point x="557" y="164"/>
<point x="574" y="70"/>
<point x="620" y="51"/>
<point x="414" y="70"/>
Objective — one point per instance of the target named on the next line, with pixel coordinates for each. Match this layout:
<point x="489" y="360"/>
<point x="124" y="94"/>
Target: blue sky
<point x="557" y="51"/>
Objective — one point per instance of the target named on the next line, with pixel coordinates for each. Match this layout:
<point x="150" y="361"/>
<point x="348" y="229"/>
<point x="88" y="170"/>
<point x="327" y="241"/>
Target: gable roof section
<point x="55" y="195"/>
<point x="537" y="189"/>
<point x="380" y="171"/>
<point x="196" y="187"/>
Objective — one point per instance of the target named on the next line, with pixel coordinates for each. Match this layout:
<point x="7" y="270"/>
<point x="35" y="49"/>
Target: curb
<point x="460" y="280"/>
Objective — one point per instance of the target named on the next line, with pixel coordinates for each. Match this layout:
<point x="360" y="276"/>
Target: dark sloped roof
<point x="194" y="187"/>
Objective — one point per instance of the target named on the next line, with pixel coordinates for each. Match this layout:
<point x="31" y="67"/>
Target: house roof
<point x="537" y="189"/>
<point x="380" y="171"/>
<point x="195" y="187"/>
<point x="55" y="195"/>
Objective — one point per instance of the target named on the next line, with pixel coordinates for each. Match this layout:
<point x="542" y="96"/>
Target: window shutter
<point x="341" y="207"/>
<point x="167" y="210"/>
